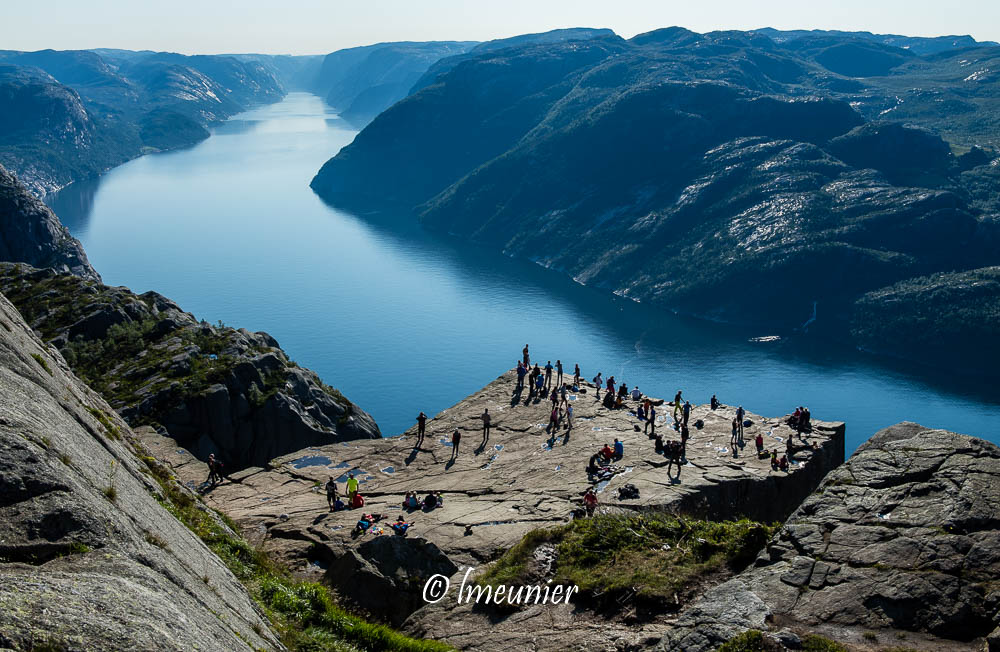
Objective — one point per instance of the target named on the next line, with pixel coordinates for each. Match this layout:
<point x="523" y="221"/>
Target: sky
<point x="318" y="27"/>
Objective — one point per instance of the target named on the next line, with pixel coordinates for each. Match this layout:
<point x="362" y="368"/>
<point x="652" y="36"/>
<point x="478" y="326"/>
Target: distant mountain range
<point x="727" y="175"/>
<point x="68" y="115"/>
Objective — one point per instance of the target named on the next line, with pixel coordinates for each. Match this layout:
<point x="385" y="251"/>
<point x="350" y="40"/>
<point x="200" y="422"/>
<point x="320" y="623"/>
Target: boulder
<point x="388" y="574"/>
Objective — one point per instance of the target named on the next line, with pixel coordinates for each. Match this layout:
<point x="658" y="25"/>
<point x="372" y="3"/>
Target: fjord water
<point x="402" y="320"/>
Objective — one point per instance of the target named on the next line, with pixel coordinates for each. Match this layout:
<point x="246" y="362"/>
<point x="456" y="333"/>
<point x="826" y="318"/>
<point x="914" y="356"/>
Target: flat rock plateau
<point x="496" y="491"/>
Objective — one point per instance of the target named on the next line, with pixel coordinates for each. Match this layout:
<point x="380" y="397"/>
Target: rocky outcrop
<point x="901" y="543"/>
<point x="216" y="389"/>
<point x="89" y="559"/>
<point x="31" y="233"/>
<point x="497" y="491"/>
<point x="389" y="573"/>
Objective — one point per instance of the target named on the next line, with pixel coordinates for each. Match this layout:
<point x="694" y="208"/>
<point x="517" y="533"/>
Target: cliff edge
<point x="89" y="557"/>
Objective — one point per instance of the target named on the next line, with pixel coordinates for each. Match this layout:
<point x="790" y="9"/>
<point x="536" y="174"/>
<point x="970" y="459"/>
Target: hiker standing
<point x="687" y="412"/>
<point x="576" y="376"/>
<point x="456" y="437"/>
<point x="524" y="352"/>
<point x="650" y="421"/>
<point x="590" y="501"/>
<point x="352" y="487"/>
<point x="522" y="371"/>
<point x="213" y="470"/>
<point x="486" y="425"/>
<point x="598" y="382"/>
<point x="739" y="420"/>
<point x="421" y="428"/>
<point x="548" y="375"/>
<point x="559" y="377"/>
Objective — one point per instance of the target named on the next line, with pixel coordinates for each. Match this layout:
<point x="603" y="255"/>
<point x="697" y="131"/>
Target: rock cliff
<point x="216" y="389"/>
<point x="31" y="233"/>
<point x="90" y="559"/>
<point x="494" y="493"/>
<point x="899" y="546"/>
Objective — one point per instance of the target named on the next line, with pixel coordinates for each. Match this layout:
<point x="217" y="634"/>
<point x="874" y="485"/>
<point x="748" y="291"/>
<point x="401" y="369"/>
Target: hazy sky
<point x="316" y="26"/>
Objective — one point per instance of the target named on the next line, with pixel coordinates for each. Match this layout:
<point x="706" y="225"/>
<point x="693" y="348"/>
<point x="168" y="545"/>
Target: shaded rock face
<point x="364" y="81"/>
<point x="496" y="491"/>
<point x="216" y="389"/>
<point x="902" y="540"/>
<point x="31" y="233"/>
<point x="389" y="573"/>
<point x="88" y="558"/>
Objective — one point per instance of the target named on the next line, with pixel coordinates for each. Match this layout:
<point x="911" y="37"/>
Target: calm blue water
<point x="402" y="320"/>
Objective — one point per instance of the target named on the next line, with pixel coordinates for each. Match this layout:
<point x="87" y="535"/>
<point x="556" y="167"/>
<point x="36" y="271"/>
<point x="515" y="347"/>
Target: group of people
<point x="412" y="502"/>
<point x="801" y="420"/>
<point x="354" y="498"/>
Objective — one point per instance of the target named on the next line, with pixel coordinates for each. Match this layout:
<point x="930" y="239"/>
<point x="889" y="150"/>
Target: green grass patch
<point x="656" y="555"/>
<point x="42" y="363"/>
<point x="113" y="431"/>
<point x="304" y="614"/>
<point x="816" y="643"/>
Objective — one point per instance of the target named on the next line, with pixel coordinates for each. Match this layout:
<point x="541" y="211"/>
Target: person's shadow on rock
<point x="450" y="464"/>
<point x="412" y="456"/>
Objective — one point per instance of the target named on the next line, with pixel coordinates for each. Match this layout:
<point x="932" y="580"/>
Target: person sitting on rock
<point x="607" y="453"/>
<point x="430" y="501"/>
<point x="357" y="501"/>
<point x="590" y="501"/>
<point x="619" y="450"/>
<point x="366" y="521"/>
<point x="412" y="502"/>
<point x="774" y="459"/>
<point x="715" y="402"/>
<point x="636" y="394"/>
<point x="400" y="526"/>
<point x="623" y="390"/>
<point x="338" y="506"/>
<point x="331" y="492"/>
<point x="619" y="402"/>
<point x="783" y="463"/>
<point x="658" y="444"/>
<point x="594" y="465"/>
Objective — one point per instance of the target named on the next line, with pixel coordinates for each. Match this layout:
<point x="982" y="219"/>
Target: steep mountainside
<point x="721" y="174"/>
<point x="364" y="81"/>
<point x="70" y="115"/>
<point x="90" y="558"/>
<point x="216" y="389"/>
<point x="31" y="233"/>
